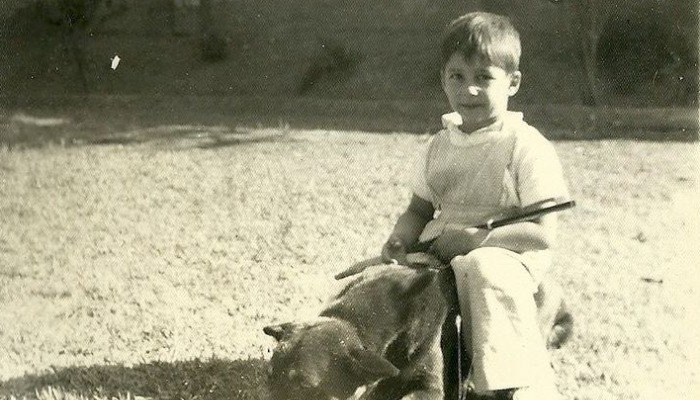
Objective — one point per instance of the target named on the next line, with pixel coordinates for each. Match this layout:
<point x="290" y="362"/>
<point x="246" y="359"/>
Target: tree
<point x="588" y="21"/>
<point x="77" y="19"/>
<point x="213" y="44"/>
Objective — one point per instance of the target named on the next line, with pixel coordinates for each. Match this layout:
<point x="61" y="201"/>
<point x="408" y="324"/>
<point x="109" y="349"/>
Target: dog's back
<point x="385" y="302"/>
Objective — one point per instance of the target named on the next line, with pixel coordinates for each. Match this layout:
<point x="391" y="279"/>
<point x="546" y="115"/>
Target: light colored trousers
<point x="499" y="321"/>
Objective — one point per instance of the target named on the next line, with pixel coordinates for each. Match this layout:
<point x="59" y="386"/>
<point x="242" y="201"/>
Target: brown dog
<point x="386" y="330"/>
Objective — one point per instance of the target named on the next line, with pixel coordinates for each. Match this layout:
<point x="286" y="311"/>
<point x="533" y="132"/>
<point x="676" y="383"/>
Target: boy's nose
<point x="473" y="90"/>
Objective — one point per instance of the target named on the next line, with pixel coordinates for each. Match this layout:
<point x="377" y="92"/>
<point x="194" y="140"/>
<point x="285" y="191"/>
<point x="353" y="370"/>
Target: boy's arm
<point x="407" y="230"/>
<point x="538" y="234"/>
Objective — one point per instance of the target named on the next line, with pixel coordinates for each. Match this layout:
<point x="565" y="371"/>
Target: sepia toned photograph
<point x="349" y="199"/>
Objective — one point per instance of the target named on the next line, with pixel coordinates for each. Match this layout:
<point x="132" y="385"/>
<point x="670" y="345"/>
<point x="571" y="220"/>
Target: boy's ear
<point x="515" y="79"/>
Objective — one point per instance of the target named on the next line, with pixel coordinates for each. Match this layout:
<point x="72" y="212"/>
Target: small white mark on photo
<point x="115" y="61"/>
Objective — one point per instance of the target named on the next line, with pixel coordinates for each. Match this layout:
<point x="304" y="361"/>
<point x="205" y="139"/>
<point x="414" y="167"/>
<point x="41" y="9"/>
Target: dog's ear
<point x="369" y="366"/>
<point x="279" y="332"/>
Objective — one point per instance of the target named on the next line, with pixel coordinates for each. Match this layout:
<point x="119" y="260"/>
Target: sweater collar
<point x="452" y="121"/>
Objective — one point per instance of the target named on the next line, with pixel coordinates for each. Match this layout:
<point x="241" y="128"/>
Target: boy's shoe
<point x="506" y="394"/>
<point x="525" y="393"/>
<point x="533" y="393"/>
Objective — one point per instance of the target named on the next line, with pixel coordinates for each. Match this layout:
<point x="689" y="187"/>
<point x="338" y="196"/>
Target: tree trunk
<point x="74" y="40"/>
<point x="206" y="18"/>
<point x="587" y="23"/>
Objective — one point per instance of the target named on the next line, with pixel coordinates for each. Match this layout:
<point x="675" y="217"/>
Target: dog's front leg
<point x="421" y="379"/>
<point x="428" y="374"/>
<point x="402" y="389"/>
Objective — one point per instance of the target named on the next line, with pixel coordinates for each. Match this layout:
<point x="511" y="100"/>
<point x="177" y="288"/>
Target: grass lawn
<point x="149" y="269"/>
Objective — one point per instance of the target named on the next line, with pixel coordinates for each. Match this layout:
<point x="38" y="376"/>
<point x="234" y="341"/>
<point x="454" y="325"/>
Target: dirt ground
<point x="150" y="269"/>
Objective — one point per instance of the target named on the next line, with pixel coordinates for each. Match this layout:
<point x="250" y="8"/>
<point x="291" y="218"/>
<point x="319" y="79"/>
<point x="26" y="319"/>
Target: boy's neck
<point x="467" y="128"/>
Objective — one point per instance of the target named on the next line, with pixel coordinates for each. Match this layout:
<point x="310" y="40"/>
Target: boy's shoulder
<point x="516" y="122"/>
<point x="532" y="147"/>
<point x="525" y="133"/>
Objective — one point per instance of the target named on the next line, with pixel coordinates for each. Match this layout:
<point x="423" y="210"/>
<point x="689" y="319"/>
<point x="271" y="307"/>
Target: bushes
<point x="640" y="53"/>
<point x="72" y="22"/>
<point x="213" y="47"/>
<point x="333" y="59"/>
<point x="274" y="48"/>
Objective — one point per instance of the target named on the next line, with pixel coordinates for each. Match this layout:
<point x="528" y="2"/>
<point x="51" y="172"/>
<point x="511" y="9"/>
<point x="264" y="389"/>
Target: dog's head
<point x="322" y="359"/>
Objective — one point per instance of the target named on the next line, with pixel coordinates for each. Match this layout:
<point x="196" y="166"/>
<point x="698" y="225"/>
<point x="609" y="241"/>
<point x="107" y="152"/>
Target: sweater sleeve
<point x="419" y="182"/>
<point x="538" y="172"/>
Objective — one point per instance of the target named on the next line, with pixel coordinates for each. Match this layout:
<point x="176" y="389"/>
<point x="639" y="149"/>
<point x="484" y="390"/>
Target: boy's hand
<point x="394" y="251"/>
<point x="457" y="242"/>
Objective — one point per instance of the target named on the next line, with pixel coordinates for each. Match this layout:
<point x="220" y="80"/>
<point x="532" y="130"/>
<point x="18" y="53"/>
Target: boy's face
<point x="478" y="90"/>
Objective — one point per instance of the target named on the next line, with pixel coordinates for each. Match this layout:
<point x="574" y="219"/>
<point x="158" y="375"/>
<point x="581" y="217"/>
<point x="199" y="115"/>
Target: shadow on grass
<point x="200" y="137"/>
<point x="100" y="116"/>
<point x="22" y="130"/>
<point x="212" y="379"/>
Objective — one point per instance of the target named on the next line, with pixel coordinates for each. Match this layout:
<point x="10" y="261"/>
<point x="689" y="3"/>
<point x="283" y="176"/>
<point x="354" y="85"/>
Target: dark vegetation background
<point x="346" y="64"/>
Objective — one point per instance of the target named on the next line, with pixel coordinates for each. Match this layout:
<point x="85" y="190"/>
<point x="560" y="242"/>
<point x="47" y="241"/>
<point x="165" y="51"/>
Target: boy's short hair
<point x="485" y="35"/>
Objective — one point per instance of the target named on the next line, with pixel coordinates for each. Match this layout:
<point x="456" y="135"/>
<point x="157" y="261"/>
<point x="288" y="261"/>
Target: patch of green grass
<point x="150" y="269"/>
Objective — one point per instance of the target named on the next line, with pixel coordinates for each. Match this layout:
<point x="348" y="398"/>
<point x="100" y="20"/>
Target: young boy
<point x="485" y="161"/>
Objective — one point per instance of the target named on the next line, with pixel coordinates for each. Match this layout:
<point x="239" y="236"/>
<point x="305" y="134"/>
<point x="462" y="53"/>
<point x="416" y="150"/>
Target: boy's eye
<point x="456" y="76"/>
<point x="484" y="77"/>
